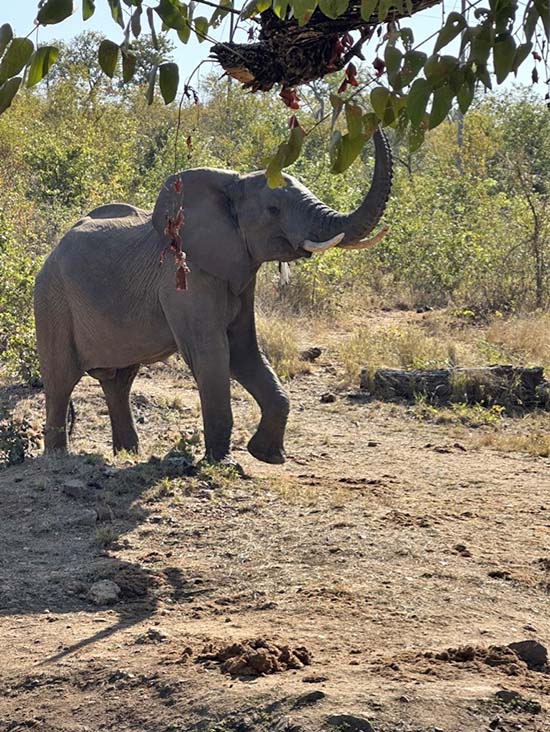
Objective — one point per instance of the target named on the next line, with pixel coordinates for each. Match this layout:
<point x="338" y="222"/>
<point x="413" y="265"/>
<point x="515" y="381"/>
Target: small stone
<point x="311" y="354"/>
<point x="532" y="652"/>
<point x="372" y="443"/>
<point x="151" y="635"/>
<point x="507" y="697"/>
<point x="85" y="518"/>
<point x="495" y="722"/>
<point x="311" y="698"/>
<point x="104" y="592"/>
<point x="462" y="549"/>
<point x="349" y="723"/>
<point x="328" y="397"/>
<point x="74" y="488"/>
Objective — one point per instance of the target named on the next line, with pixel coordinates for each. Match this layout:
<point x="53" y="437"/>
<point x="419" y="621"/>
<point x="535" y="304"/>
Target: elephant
<point x="104" y="304"/>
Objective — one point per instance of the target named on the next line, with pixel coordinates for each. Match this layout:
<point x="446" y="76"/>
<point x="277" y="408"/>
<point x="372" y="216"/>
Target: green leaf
<point x="222" y="10"/>
<point x="521" y="54"/>
<point x="439" y="68"/>
<point x="380" y="98"/>
<point x="116" y="12"/>
<point x="108" y="57"/>
<point x="16" y="57"/>
<point x="441" y="105"/>
<point x="354" y="119"/>
<point x="169" y="77"/>
<point x="483" y="75"/>
<point x="333" y="8"/>
<point x="454" y="24"/>
<point x="504" y="53"/>
<point x="370" y="125"/>
<point x="294" y="145"/>
<point x="54" y="11"/>
<point x="6" y="34"/>
<point x="287" y="153"/>
<point x="337" y="104"/>
<point x="530" y="22"/>
<point x="413" y="61"/>
<point x="88" y="9"/>
<point x="7" y="92"/>
<point x="465" y="94"/>
<point x="416" y="137"/>
<point x="201" y="28"/>
<point x="303" y="10"/>
<point x="346" y="152"/>
<point x="543" y="9"/>
<point x="129" y="61"/>
<point x="417" y="101"/>
<point x="392" y="57"/>
<point x="185" y="33"/>
<point x="171" y="13"/>
<point x="367" y="8"/>
<point x="273" y="171"/>
<point x="481" y="44"/>
<point x="135" y="22"/>
<point x="280" y="8"/>
<point x="40" y="63"/>
<point x="407" y="37"/>
<point x="150" y="95"/>
<point x="383" y="9"/>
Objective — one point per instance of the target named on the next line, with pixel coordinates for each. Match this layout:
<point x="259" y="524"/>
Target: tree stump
<point x="507" y="386"/>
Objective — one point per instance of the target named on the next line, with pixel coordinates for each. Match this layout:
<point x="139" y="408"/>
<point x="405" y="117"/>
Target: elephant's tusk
<point x="365" y="243"/>
<point x="284" y="274"/>
<point x="320" y="246"/>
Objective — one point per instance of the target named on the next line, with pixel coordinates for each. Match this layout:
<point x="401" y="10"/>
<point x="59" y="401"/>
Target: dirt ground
<point x="373" y="582"/>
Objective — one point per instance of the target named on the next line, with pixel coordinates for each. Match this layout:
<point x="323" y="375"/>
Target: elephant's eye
<point x="273" y="210"/>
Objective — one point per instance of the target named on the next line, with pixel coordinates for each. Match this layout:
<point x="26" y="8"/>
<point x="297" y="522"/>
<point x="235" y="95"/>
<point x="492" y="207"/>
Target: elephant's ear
<point x="210" y="234"/>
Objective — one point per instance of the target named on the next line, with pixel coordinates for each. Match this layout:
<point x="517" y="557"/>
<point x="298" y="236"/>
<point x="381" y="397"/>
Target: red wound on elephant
<point x="172" y="229"/>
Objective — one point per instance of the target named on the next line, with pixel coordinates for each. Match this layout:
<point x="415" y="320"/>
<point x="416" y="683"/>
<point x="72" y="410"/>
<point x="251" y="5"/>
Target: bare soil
<point x="372" y="582"/>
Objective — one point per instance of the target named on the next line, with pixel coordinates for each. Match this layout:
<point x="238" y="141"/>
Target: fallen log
<point x="508" y="386"/>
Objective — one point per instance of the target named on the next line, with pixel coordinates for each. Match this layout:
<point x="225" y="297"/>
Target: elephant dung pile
<point x="507" y="386"/>
<point x="257" y="657"/>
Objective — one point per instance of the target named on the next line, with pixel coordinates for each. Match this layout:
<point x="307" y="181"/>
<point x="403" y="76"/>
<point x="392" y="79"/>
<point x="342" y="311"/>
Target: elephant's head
<point x="235" y="223"/>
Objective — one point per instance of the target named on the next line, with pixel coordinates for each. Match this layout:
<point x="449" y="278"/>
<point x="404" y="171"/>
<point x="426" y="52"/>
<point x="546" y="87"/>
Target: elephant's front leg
<point x="252" y="370"/>
<point x="210" y="367"/>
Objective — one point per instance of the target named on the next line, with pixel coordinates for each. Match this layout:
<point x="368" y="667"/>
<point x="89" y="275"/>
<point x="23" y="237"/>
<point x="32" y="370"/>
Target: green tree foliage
<point x="414" y="87"/>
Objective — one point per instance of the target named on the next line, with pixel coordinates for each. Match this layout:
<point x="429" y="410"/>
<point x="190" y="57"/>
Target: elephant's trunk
<point x="355" y="226"/>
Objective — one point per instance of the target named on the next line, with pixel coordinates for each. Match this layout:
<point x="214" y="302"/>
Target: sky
<point x="21" y="13"/>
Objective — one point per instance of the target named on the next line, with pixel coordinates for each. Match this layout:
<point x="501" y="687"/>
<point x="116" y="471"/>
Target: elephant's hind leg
<point x="58" y="395"/>
<point x="116" y="385"/>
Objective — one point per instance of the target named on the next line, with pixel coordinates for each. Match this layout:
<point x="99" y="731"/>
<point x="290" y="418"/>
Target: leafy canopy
<point x="410" y="89"/>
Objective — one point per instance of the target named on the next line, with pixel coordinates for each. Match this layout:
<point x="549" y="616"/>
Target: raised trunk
<point x="358" y="224"/>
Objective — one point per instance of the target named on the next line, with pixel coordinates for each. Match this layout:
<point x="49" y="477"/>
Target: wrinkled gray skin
<point x="104" y="305"/>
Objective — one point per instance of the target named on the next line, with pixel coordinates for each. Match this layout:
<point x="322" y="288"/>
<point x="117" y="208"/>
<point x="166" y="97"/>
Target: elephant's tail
<point x="71" y="417"/>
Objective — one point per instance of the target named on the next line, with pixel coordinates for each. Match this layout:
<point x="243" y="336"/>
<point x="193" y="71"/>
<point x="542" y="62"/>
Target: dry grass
<point x="533" y="443"/>
<point x="469" y="415"/>
<point x="405" y="348"/>
<point x="524" y="339"/>
<point x="441" y="340"/>
<point x="278" y="341"/>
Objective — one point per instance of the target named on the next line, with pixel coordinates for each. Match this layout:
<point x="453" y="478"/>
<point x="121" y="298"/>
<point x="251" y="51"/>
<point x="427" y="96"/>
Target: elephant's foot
<point x="227" y="461"/>
<point x="129" y="447"/>
<point x="55" y="440"/>
<point x="266" y="450"/>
